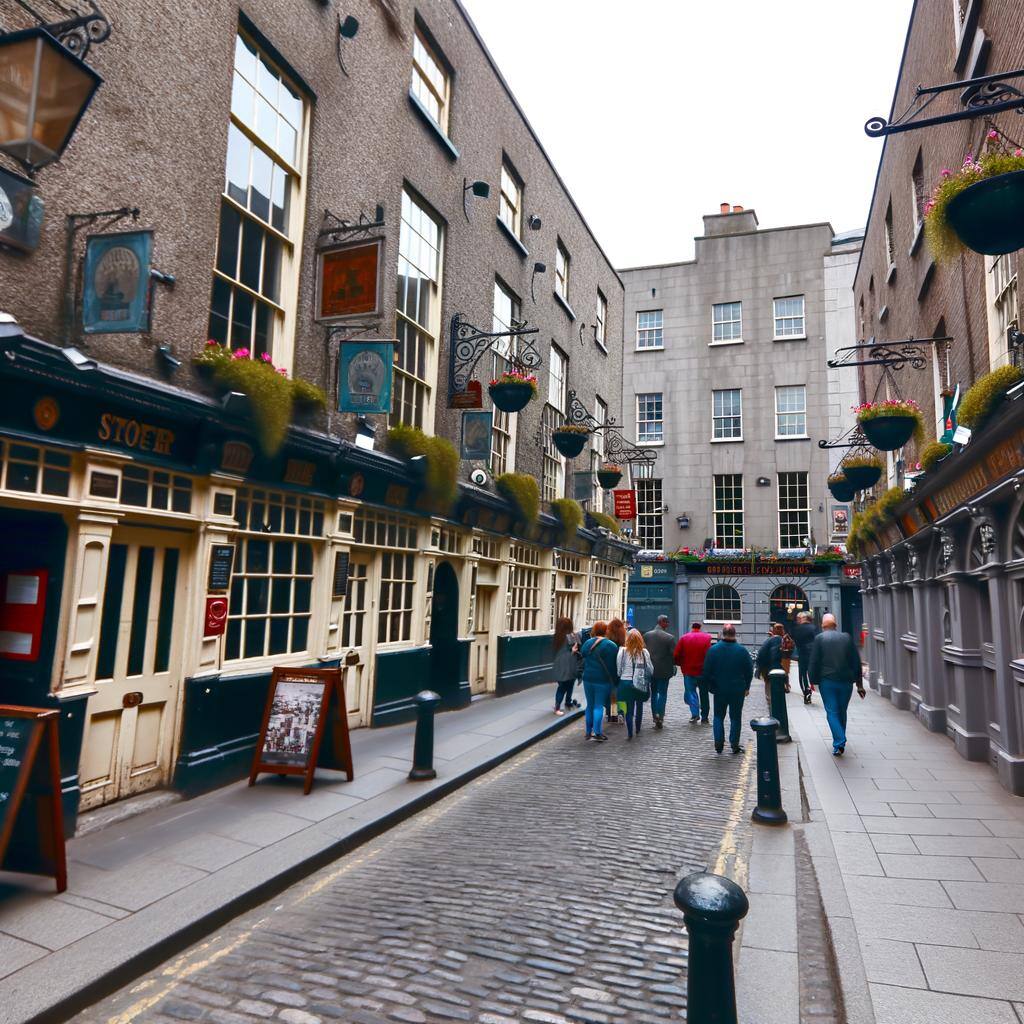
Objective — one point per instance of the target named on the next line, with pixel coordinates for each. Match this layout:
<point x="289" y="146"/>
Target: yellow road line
<point x="727" y="848"/>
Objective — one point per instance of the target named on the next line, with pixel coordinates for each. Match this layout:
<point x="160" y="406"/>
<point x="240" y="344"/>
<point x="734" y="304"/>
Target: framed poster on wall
<point x="115" y="287"/>
<point x="476" y="436"/>
<point x="348" y="281"/>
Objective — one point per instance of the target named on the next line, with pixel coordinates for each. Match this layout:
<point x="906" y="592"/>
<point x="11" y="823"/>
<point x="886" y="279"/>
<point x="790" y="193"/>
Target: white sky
<point x="656" y="111"/>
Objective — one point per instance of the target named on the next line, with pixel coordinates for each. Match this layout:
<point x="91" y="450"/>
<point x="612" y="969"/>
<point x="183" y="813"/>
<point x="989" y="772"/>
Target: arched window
<point x="722" y="604"/>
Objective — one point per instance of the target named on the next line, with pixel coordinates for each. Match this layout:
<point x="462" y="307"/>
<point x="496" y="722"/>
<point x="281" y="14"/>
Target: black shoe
<point x="737" y="750"/>
<point x="838" y="751"/>
<point x="719" y="749"/>
<point x="694" y="718"/>
<point x="704" y="721"/>
<point x="600" y="737"/>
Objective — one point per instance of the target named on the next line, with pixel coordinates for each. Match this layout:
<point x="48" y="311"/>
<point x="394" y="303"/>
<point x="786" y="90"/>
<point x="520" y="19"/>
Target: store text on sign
<point x="133" y="434"/>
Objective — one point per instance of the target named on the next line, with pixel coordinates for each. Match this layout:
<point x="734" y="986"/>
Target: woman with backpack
<point x="635" y="671"/>
<point x="566" y="662"/>
<point x="598" y="676"/>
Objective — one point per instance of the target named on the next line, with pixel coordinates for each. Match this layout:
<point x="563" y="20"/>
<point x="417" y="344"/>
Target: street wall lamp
<point x="44" y="91"/>
<point x="347" y="29"/>
<point x="479" y="188"/>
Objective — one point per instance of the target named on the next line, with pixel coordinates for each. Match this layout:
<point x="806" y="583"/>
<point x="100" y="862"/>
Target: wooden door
<point x="482" y="673"/>
<point x="355" y="628"/>
<point x="128" y="744"/>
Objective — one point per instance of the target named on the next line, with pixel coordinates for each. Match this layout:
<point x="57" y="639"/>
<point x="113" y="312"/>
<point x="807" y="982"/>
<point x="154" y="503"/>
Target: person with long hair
<point x="566" y="646"/>
<point x="635" y="671"/>
<point x="617" y="635"/>
<point x="599" y="655"/>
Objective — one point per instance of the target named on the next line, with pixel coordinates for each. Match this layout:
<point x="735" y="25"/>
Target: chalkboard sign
<point x="31" y="823"/>
<point x="303" y="705"/>
<point x="340" y="588"/>
<point x="221" y="558"/>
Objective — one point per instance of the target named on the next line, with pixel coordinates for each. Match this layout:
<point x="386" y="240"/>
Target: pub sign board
<point x="115" y="289"/>
<point x="365" y="371"/>
<point x="348" y="281"/>
<point x="625" y="504"/>
<point x="21" y="212"/>
<point x="305" y="707"/>
<point x="476" y="436"/>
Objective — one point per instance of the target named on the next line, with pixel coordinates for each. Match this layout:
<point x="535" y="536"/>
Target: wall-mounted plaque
<point x="340" y="585"/>
<point x="348" y="281"/>
<point x="365" y="369"/>
<point x="21" y="212"/>
<point x="221" y="558"/>
<point x="115" y="290"/>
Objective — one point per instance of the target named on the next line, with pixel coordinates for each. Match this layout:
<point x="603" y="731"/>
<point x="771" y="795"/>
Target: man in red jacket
<point x="689" y="656"/>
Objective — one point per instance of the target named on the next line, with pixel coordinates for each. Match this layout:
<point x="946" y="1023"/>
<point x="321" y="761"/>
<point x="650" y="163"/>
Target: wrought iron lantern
<point x="44" y="91"/>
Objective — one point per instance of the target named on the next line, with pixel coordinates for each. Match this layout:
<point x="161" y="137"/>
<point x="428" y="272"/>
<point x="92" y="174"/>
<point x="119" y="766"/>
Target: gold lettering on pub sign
<point x="298" y="472"/>
<point x="133" y="434"/>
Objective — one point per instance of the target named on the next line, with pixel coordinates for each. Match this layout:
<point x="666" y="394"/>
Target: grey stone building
<point x="724" y="370"/>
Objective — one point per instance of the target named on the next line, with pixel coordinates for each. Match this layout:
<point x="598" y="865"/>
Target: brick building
<point x="245" y="140"/>
<point x="943" y="584"/>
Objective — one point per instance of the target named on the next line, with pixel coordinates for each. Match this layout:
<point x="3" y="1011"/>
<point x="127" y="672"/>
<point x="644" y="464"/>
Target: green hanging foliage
<point x="570" y="515"/>
<point x="442" y="483"/>
<point x="607" y="521"/>
<point x="985" y="394"/>
<point x="933" y="454"/>
<point x="522" y="491"/>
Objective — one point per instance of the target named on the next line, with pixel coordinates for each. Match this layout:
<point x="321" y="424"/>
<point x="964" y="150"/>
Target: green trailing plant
<point x="571" y="428"/>
<point x="607" y="521"/>
<point x="891" y="407"/>
<point x="515" y="377"/>
<point x="839" y="477"/>
<point x="441" y="480"/>
<point x="308" y="396"/>
<point x="570" y="515"/>
<point x="984" y="395"/>
<point x="520" y="489"/>
<point x="863" y="462"/>
<point x="943" y="241"/>
<point x="932" y="454"/>
<point x="889" y="500"/>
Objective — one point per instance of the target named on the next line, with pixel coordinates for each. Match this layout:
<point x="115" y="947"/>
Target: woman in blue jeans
<point x="599" y="655"/>
<point x="633" y="659"/>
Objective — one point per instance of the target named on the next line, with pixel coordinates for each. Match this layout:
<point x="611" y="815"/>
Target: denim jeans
<point x="835" y="695"/>
<point x="659" y="696"/>
<point x="803" y="664"/>
<point x="597" y="696"/>
<point x="634" y="708"/>
<point x="731" y="701"/>
<point x="564" y="692"/>
<point x="697" y="697"/>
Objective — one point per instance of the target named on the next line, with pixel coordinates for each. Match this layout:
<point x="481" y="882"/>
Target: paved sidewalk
<point x="919" y="856"/>
<point x="143" y="888"/>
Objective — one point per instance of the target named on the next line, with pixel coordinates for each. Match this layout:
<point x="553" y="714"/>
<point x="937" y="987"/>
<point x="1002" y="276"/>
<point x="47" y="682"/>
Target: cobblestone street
<point x="541" y="892"/>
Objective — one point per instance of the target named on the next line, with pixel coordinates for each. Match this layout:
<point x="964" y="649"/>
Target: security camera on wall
<point x="478" y="477"/>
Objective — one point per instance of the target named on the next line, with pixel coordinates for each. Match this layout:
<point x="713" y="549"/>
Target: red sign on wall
<point x="625" y="504"/>
<point x="852" y="572"/>
<point x="216" y="618"/>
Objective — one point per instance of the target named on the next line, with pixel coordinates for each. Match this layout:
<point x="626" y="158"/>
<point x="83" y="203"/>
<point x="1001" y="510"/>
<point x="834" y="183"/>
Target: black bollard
<point x="712" y="907"/>
<point x="769" y="794"/>
<point x="777" y="680"/>
<point x="423" y="744"/>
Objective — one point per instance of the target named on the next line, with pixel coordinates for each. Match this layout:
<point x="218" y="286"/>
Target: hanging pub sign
<point x="305" y="707"/>
<point x="840" y="520"/>
<point x="583" y="485"/>
<point x="625" y="504"/>
<point x="365" y="369"/>
<point x="348" y="281"/>
<point x="476" y="436"/>
<point x="471" y="398"/>
<point x="115" y="291"/>
<point x="21" y="212"/>
<point x="31" y="820"/>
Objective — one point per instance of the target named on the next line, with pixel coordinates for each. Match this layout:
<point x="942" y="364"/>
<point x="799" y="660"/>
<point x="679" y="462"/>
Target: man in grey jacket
<point x="660" y="644"/>
<point x="835" y="668"/>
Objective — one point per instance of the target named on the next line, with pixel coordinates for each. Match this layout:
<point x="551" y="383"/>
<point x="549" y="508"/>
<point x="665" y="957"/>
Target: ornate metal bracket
<point x="577" y="414"/>
<point x="617" y="449"/>
<point x="335" y="229"/>
<point x="469" y="343"/>
<point x="76" y="33"/>
<point x="894" y="355"/>
<point x="853" y="438"/>
<point x="984" y="96"/>
<point x="353" y="330"/>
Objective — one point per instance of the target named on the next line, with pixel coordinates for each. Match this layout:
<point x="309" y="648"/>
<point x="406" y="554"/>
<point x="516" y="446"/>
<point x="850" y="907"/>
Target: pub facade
<point x="161" y="550"/>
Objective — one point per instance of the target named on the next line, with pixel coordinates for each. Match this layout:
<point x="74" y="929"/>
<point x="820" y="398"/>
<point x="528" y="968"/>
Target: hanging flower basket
<point x="889" y="425"/>
<point x="862" y="473"/>
<point x="609" y="475"/>
<point x="841" y="488"/>
<point x="570" y="440"/>
<point x="512" y="392"/>
<point x="980" y="206"/>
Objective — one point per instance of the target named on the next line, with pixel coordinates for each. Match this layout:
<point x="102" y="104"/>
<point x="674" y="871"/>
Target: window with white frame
<point x="727" y="414"/>
<point x="562" y="261"/>
<point x="552" y="417"/>
<point x="254" y="290"/>
<point x="1002" y="292"/>
<point x="722" y="604"/>
<point x="650" y="427"/>
<point x="794" y="510"/>
<point x="602" y="319"/>
<point x="418" y="312"/>
<point x="524" y="589"/>
<point x="791" y="411"/>
<point x="510" y="201"/>
<point x="649" y="517"/>
<point x="397" y="587"/>
<point x="650" y="328"/>
<point x="728" y="510"/>
<point x="727" y="321"/>
<point x="603" y="597"/>
<point x="789" y="317"/>
<point x="597" y="455"/>
<point x="431" y="83"/>
<point x="503" y="424"/>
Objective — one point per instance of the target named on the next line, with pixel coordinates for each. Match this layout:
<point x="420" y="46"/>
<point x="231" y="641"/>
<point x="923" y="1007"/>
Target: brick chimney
<point x="724" y="207"/>
<point x="732" y="220"/>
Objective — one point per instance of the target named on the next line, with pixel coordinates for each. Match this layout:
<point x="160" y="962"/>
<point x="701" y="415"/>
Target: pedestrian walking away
<point x="804" y="633"/>
<point x="689" y="655"/>
<point x="599" y="655"/>
<point x="635" y="672"/>
<point x="567" y="662"/>
<point x="660" y="644"/>
<point x="835" y="669"/>
<point x="728" y="671"/>
<point x="771" y="656"/>
<point x="617" y="635"/>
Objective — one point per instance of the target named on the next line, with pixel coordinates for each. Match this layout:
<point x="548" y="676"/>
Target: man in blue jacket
<point x="728" y="669"/>
<point x="835" y="669"/>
